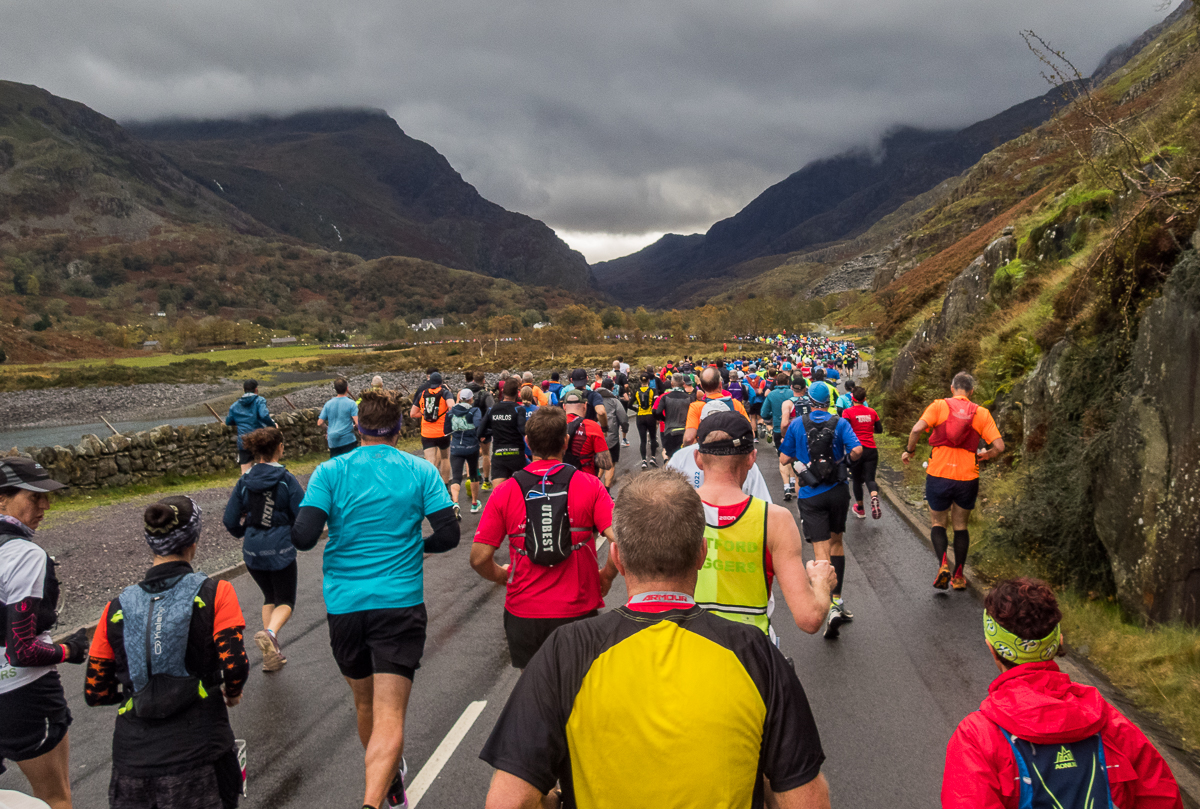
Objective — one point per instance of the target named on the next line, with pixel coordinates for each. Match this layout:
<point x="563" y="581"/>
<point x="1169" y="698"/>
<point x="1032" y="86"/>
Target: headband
<point x="1019" y="650"/>
<point x="382" y="432"/>
<point x="169" y="539"/>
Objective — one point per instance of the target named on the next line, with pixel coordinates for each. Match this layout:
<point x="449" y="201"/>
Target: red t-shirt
<point x="570" y="588"/>
<point x="589" y="440"/>
<point x="862" y="420"/>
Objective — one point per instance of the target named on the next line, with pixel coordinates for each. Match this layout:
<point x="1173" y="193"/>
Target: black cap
<point x="28" y="474"/>
<point x="435" y="378"/>
<point x="579" y="375"/>
<point x="740" y="442"/>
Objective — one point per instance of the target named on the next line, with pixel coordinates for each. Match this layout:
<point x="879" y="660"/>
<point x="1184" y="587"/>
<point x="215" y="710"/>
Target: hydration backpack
<point x="260" y="506"/>
<point x="548" y="531"/>
<point x="459" y="423"/>
<point x="1061" y="776"/>
<point x="431" y="405"/>
<point x="573" y="456"/>
<point x="958" y="429"/>
<point x="644" y="399"/>
<point x="821" y="461"/>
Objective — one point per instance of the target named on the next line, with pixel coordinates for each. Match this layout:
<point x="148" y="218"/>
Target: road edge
<point x="1081" y="670"/>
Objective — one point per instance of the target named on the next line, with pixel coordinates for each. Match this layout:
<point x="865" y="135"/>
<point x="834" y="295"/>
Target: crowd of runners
<point x="700" y="546"/>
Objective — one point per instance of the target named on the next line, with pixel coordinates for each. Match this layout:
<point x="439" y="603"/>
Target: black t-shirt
<point x="505" y="424"/>
<point x="589" y="711"/>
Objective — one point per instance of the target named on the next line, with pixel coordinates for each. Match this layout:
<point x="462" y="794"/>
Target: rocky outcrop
<point x="854" y="274"/>
<point x="965" y="298"/>
<point x="1148" y="488"/>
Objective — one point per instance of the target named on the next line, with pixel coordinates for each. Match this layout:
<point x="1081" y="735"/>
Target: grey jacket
<point x="617" y="417"/>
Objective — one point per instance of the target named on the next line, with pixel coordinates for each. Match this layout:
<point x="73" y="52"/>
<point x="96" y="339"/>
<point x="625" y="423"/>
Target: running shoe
<point x="457" y="512"/>
<point x="486" y="485"/>
<point x="273" y="659"/>
<point x="943" y="577"/>
<point x="475" y="507"/>
<point x="654" y="463"/>
<point x="787" y="493"/>
<point x="624" y="442"/>
<point x="644" y="465"/>
<point x="876" y="511"/>
<point x="396" y="798"/>
<point x="959" y="582"/>
<point x="847" y="616"/>
<point x="858" y="511"/>
<point x="836" y="619"/>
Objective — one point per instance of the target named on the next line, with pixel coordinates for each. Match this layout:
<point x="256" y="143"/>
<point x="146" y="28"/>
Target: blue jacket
<point x="248" y="414"/>
<point x="265" y="548"/>
<point x="463" y="442"/>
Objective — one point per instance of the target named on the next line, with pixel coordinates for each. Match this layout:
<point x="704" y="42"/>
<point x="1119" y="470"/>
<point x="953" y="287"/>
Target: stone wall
<point x="120" y="460"/>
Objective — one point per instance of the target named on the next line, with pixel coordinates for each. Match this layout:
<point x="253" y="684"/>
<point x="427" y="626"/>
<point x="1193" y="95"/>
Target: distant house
<point x="430" y="323"/>
<point x="540" y="325"/>
<point x="150" y="345"/>
<point x="283" y="341"/>
<point x="161" y="314"/>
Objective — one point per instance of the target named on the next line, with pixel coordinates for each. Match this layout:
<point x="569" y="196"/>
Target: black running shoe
<point x="836" y="619"/>
<point x="396" y="798"/>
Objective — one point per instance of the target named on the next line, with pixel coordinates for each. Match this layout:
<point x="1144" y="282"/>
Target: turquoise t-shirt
<point x="376" y="498"/>
<point x="339" y="414"/>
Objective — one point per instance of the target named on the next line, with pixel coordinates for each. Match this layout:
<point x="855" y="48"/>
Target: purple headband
<point x="382" y="433"/>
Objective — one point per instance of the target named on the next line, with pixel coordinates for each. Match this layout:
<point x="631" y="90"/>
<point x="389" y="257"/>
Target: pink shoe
<point x="858" y="511"/>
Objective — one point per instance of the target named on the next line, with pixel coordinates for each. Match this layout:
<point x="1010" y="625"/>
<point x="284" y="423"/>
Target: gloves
<point x="77" y="646"/>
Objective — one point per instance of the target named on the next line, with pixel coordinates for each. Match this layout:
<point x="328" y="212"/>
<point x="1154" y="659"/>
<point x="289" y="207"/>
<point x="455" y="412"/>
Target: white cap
<point x="466" y="395"/>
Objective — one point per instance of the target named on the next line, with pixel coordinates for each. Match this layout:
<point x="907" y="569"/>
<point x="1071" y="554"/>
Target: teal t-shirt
<point x="376" y="498"/>
<point x="339" y="413"/>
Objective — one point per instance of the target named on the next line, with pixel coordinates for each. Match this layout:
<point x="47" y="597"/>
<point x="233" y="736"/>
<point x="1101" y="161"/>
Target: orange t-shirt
<point x="693" y="416"/>
<point x="953" y="463"/>
<point x="227" y="613"/>
<point x="436" y="428"/>
<point x="540" y="397"/>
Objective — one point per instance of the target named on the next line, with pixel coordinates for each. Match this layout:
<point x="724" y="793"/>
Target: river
<point x="70" y="434"/>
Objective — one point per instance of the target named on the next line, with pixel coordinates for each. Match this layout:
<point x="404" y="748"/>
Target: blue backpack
<point x="1061" y="776"/>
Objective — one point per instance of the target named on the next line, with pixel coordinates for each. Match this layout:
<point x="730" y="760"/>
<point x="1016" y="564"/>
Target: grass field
<point x="154" y="360"/>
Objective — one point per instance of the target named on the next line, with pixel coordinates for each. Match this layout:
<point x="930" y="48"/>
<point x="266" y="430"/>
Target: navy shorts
<point x="941" y="493"/>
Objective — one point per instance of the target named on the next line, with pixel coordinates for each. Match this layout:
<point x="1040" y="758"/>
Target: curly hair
<point x="263" y="442"/>
<point x="1025" y="607"/>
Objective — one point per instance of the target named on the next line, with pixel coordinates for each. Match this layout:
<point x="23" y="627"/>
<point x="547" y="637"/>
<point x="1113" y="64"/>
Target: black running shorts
<point x="824" y="514"/>
<point x="278" y="586"/>
<point x="245" y="456"/>
<point x="755" y="409"/>
<point x="456" y="467"/>
<point x="526" y="635"/>
<point x="386" y="641"/>
<point x="672" y="444"/>
<point x="439" y="443"/>
<point x="503" y="466"/>
<point x="210" y="786"/>
<point x="36" y="719"/>
<point x="941" y="493"/>
<point x="615" y="451"/>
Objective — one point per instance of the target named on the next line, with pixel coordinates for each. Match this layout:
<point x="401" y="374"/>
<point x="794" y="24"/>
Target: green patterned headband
<point x="1018" y="650"/>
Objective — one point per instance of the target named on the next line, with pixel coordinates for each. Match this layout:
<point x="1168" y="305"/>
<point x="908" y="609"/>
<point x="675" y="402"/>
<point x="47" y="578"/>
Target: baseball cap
<point x="435" y="378"/>
<point x="579" y="375"/>
<point x="574" y="397"/>
<point x="465" y="395"/>
<point x="819" y="393"/>
<point x="740" y="442"/>
<point x="28" y="474"/>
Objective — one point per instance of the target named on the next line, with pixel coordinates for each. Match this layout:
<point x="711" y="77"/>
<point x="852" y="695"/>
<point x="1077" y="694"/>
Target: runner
<point x="484" y="401"/>
<point x="647" y="424"/>
<point x="504" y="426"/>
<point x="818" y="445"/>
<point x="431" y="403"/>
<point x="797" y="406"/>
<point x="866" y="425"/>
<point x="462" y="425"/>
<point x="539" y="396"/>
<point x="684" y="462"/>
<point x="671" y="409"/>
<point x="340" y="415"/>
<point x="772" y="408"/>
<point x="952" y="478"/>
<point x="618" y="420"/>
<point x="172" y="743"/>
<point x="587" y="447"/>
<point x="595" y="406"/>
<point x="846" y="400"/>
<point x="657" y="657"/>
<point x="710" y="384"/>
<point x="374" y="500"/>
<point x="248" y="414"/>
<point x="749" y="540"/>
<point x="1039" y="739"/>
<point x="757" y="390"/>
<point x="36" y="717"/>
<point x="546" y="589"/>
<point x="261" y="510"/>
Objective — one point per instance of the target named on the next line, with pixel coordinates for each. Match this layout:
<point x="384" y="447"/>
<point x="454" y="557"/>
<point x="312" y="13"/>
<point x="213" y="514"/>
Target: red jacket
<point x="1039" y="703"/>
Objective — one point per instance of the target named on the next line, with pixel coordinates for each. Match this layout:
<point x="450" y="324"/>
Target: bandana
<point x="1018" y="650"/>
<point x="175" y="535"/>
<point x="11" y="525"/>
<point x="381" y="433"/>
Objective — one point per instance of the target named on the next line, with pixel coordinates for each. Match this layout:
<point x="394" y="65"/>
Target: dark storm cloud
<point x="617" y="117"/>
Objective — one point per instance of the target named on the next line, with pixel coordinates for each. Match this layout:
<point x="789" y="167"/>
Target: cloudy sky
<point x="611" y="120"/>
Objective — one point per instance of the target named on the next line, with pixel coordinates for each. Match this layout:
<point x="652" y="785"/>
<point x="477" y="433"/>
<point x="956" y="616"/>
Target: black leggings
<point x="862" y="472"/>
<point x="648" y="425"/>
<point x="278" y="586"/>
<point x="456" y="467"/>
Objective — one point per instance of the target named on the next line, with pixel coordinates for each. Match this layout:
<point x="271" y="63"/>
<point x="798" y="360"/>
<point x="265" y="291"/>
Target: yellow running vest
<point x="733" y="581"/>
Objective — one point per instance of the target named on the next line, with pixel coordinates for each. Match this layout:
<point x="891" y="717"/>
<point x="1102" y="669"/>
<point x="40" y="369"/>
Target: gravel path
<point x="53" y="407"/>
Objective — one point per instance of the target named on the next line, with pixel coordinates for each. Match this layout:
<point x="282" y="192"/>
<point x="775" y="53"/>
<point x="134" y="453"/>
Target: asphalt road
<point x="886" y="695"/>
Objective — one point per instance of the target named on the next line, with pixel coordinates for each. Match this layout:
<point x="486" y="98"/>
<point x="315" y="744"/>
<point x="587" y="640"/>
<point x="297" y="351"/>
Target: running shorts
<point x="755" y="409"/>
<point x="245" y="456"/>
<point x="384" y="641"/>
<point x="439" y="443"/>
<point x="526" y="635"/>
<point x="212" y="786"/>
<point x="36" y="718"/>
<point x="941" y="493"/>
<point x="777" y="439"/>
<point x="456" y="467"/>
<point x="671" y="444"/>
<point x="278" y="586"/>
<point x="615" y="451"/>
<point x="343" y="449"/>
<point x="503" y="466"/>
<point x="824" y="514"/>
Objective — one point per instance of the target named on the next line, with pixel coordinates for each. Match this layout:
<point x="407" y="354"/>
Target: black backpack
<point x="821" y="461"/>
<point x="572" y="457"/>
<point x="431" y="405"/>
<point x="547" y="522"/>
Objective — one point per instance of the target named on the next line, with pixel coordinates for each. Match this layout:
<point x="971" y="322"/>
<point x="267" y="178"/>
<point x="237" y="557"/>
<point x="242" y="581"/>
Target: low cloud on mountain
<point x="604" y="118"/>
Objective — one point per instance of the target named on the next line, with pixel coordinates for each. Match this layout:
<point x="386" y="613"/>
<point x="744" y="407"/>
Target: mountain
<point x="352" y="180"/>
<point x="825" y="202"/>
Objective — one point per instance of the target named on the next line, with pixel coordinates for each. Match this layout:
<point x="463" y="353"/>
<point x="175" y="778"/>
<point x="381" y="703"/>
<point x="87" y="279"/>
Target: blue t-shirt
<point x="376" y="498"/>
<point x="795" y="445"/>
<point x="338" y="413"/>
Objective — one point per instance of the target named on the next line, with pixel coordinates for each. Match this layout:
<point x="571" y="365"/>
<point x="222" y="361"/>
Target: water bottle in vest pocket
<point x="431" y="405"/>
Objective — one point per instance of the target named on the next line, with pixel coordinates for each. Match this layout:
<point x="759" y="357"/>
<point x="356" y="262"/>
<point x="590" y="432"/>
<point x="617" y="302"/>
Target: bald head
<point x="710" y="380"/>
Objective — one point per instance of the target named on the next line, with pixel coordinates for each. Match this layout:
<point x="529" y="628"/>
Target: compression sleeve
<point x="22" y="646"/>
<point x="446" y="531"/>
<point x="101" y="686"/>
<point x="307" y="528"/>
<point x="234" y="664"/>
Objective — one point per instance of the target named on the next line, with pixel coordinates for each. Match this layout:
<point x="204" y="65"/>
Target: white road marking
<point x="442" y="754"/>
